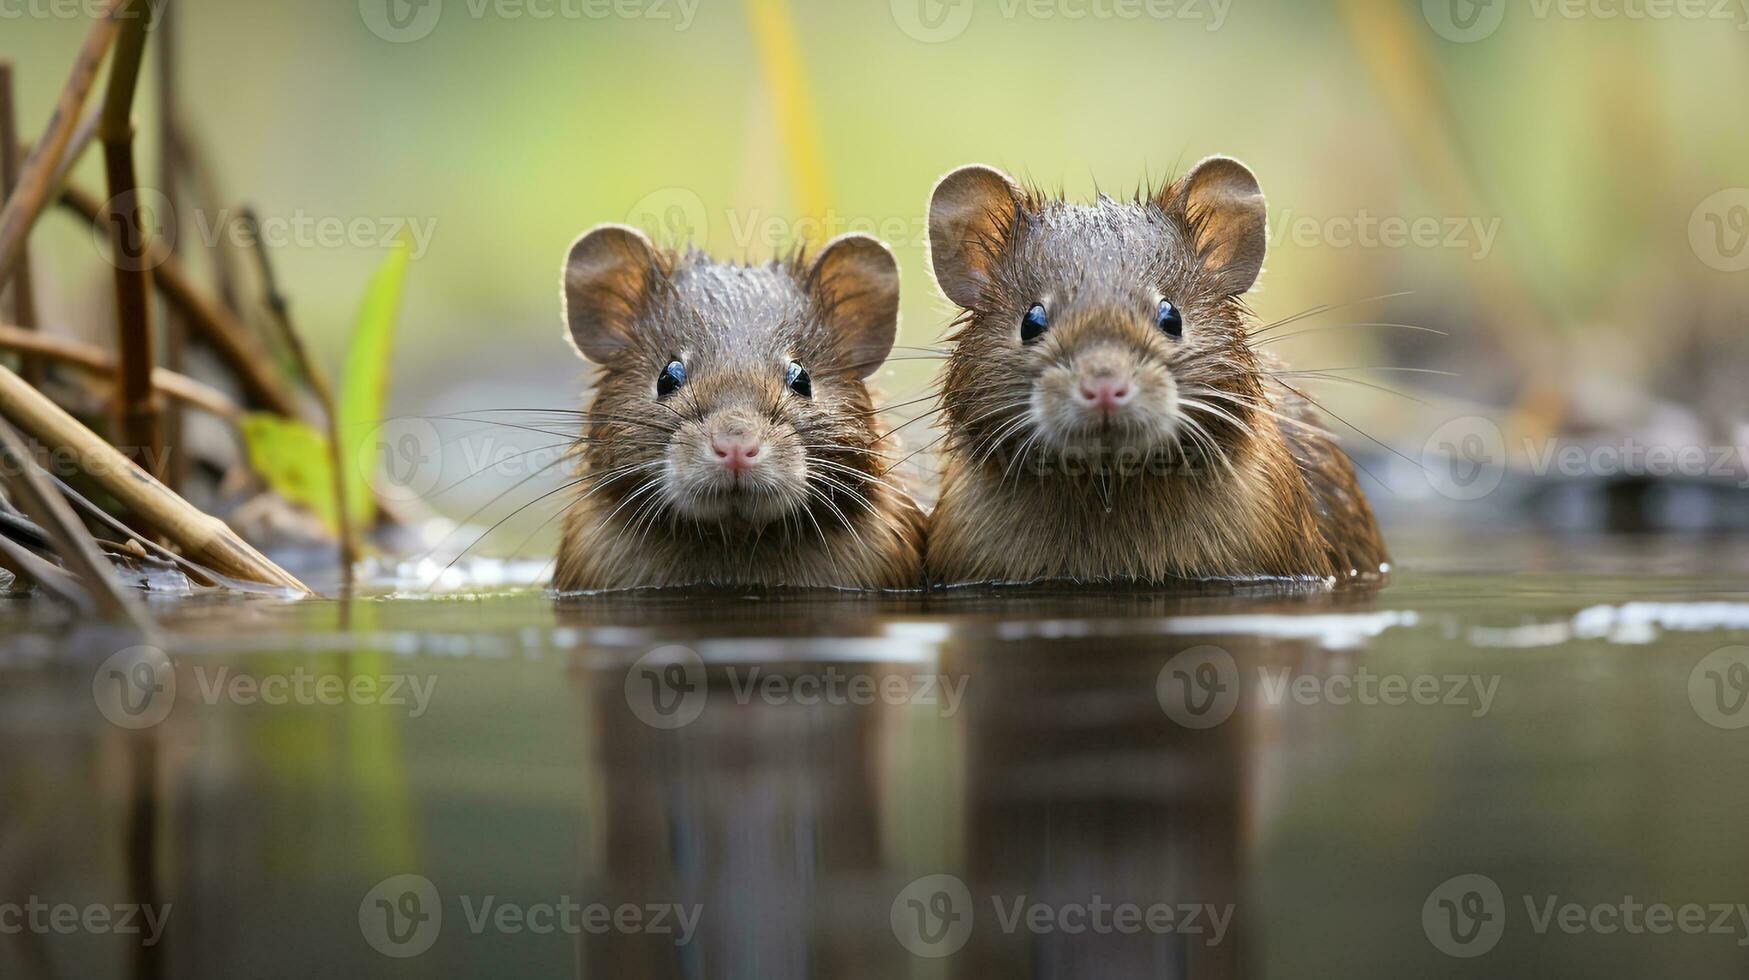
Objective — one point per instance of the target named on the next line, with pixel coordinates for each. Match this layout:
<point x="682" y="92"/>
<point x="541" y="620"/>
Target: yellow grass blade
<point x="781" y="58"/>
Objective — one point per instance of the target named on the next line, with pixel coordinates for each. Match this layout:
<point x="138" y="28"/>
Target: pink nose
<point x="1105" y="393"/>
<point x="736" y="452"/>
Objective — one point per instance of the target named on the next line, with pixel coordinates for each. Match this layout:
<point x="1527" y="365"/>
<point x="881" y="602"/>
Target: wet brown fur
<point x="1260" y="490"/>
<point x="737" y="324"/>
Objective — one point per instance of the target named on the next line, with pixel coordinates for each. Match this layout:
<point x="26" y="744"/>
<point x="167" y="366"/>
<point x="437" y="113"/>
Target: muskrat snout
<point x="1105" y="390"/>
<point x="737" y="451"/>
<point x="1104" y="394"/>
<point x="736" y="463"/>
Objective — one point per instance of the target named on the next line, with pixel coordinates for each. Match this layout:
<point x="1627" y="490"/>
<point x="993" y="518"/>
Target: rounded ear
<point x="971" y="215"/>
<point x="1223" y="207"/>
<point x="608" y="273"/>
<point x="855" y="283"/>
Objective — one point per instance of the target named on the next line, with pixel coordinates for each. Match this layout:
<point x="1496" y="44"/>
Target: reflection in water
<point x="971" y="785"/>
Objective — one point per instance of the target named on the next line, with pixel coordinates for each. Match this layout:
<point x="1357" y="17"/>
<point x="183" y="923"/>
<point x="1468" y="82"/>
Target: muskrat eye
<point x="798" y="380"/>
<point x="1170" y="321"/>
<point x="1034" y="323"/>
<point x="670" y="380"/>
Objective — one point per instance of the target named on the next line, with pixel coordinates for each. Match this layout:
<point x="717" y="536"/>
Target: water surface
<point x="1417" y="781"/>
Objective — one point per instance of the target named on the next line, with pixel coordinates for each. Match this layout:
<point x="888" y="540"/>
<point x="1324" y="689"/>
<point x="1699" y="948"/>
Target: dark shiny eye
<point x="1034" y="324"/>
<point x="670" y="380"/>
<point x="1170" y="321"/>
<point x="798" y="381"/>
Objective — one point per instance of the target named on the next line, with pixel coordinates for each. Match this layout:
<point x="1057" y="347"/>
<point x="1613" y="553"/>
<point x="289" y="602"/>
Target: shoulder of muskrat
<point x="1289" y="508"/>
<point x="880" y="548"/>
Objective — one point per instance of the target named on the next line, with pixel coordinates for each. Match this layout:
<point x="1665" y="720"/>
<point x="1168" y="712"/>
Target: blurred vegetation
<point x="1590" y="142"/>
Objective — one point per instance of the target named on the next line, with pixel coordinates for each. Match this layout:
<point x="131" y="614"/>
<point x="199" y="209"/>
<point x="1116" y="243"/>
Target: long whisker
<point x="1326" y="308"/>
<point x="1333" y="379"/>
<point x="1345" y="326"/>
<point x="1356" y="428"/>
<point x="499" y="524"/>
<point x="908" y="456"/>
<point x="1394" y="370"/>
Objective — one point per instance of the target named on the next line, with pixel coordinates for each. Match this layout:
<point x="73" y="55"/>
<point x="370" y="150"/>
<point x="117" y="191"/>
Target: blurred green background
<point x="1566" y="180"/>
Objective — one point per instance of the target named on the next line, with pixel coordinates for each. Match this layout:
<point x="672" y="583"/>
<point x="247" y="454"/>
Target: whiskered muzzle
<point x="1105" y="394"/>
<point x="736" y="465"/>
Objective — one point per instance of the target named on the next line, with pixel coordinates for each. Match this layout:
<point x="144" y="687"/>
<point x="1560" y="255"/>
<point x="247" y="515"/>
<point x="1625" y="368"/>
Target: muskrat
<point x="731" y="438"/>
<point x="1106" y="417"/>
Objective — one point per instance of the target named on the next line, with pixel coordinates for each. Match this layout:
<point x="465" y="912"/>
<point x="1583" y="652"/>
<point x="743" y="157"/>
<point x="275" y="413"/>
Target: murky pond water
<point x="1473" y="772"/>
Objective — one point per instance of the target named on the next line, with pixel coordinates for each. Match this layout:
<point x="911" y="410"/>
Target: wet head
<point x="1114" y="326"/>
<point x="729" y="396"/>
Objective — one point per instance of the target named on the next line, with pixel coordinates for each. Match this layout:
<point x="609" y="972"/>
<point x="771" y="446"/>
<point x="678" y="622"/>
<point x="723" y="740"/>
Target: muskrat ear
<point x="1222" y="205"/>
<point x="971" y="216"/>
<point x="855" y="283"/>
<point x="608" y="273"/>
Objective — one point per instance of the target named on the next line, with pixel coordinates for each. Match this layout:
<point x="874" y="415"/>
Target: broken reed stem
<point x="215" y="324"/>
<point x="23" y="289"/>
<point x="280" y="311"/>
<point x="199" y="573"/>
<point x="137" y="407"/>
<point x="97" y="361"/>
<point x="203" y="538"/>
<point x="175" y="342"/>
<point x="36" y="497"/>
<point x="36" y="179"/>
